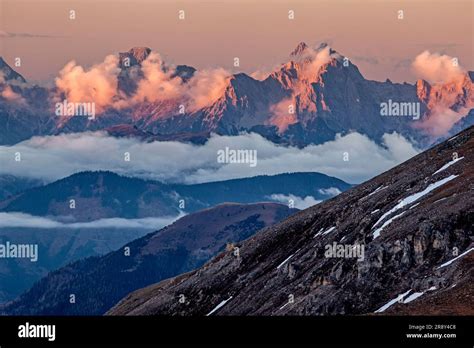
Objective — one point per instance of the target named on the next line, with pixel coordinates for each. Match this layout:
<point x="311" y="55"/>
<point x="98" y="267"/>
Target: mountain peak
<point x="302" y="46"/>
<point x="136" y="55"/>
<point x="335" y="54"/>
<point x="7" y="73"/>
<point x="305" y="52"/>
<point x="140" y="53"/>
<point x="322" y="46"/>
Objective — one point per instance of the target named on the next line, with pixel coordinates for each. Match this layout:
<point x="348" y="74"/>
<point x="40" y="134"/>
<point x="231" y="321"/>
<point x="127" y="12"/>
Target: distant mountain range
<point x="307" y="100"/>
<point x="414" y="223"/>
<point x="99" y="282"/>
<point x="11" y="185"/>
<point x="103" y="194"/>
<point x="56" y="247"/>
<point x="100" y="197"/>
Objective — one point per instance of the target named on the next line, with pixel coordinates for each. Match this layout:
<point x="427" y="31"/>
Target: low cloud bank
<point x="295" y="201"/>
<point x="353" y="157"/>
<point x="12" y="220"/>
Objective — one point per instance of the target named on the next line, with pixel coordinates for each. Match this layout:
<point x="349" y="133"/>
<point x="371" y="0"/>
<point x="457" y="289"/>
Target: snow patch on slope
<point x="416" y="196"/>
<point x="219" y="306"/>
<point x="321" y="233"/>
<point x="390" y="303"/>
<point x="456" y="258"/>
<point x="376" y="233"/>
<point x="449" y="164"/>
<point x="286" y="260"/>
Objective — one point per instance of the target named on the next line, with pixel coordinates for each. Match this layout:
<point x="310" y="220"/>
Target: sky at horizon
<point x="214" y="32"/>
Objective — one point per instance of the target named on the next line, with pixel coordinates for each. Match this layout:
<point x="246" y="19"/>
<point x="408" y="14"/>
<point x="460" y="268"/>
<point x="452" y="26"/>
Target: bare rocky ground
<point x="282" y="270"/>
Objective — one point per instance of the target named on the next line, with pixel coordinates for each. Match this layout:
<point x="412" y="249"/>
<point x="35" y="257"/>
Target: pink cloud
<point x="441" y="120"/>
<point x="97" y="84"/>
<point x="281" y="115"/>
<point x="156" y="83"/>
<point x="11" y="96"/>
<point x="437" y="68"/>
<point x="205" y="87"/>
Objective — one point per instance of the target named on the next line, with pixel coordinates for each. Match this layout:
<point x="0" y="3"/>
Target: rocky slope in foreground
<point x="415" y="222"/>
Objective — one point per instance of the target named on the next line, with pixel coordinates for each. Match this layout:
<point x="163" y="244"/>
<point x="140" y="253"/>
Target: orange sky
<point x="214" y="32"/>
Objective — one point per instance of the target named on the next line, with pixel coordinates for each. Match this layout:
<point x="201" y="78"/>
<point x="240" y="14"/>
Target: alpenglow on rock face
<point x="420" y="260"/>
<point x="310" y="98"/>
